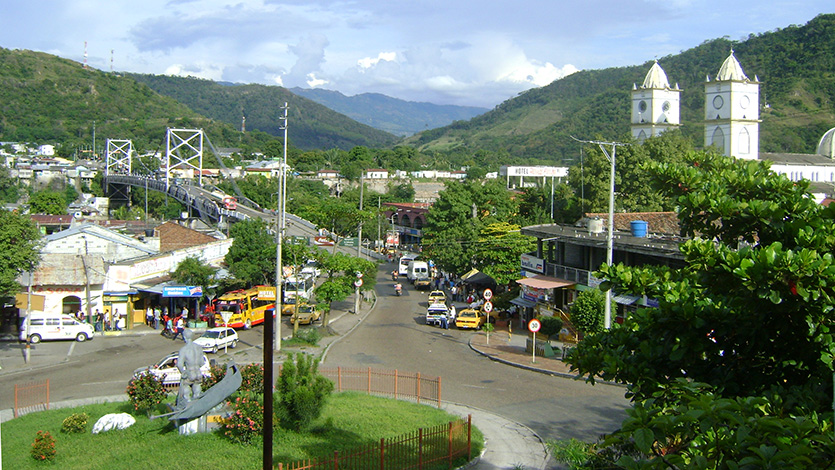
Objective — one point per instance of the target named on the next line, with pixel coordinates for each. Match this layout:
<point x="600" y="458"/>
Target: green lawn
<point x="350" y="419"/>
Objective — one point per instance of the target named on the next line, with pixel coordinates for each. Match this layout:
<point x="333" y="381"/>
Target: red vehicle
<point x="230" y="203"/>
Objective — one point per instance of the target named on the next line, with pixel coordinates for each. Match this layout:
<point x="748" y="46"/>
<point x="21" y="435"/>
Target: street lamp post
<point x="607" y="316"/>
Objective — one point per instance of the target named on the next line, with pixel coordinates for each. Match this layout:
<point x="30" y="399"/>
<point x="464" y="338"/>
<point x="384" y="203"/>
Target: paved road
<point x="394" y="336"/>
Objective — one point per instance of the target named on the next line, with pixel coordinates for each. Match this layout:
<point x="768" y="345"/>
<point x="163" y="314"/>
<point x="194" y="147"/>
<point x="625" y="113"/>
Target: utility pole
<point x="607" y="316"/>
<point x="359" y="230"/>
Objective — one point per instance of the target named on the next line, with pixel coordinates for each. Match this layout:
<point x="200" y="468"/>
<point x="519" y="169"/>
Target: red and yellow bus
<point x="246" y="307"/>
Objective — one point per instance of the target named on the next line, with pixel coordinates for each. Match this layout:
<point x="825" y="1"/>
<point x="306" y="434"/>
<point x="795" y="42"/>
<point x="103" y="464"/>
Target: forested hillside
<point x="795" y="65"/>
<point x="312" y="126"/>
<point x="47" y="99"/>
<point x="399" y="117"/>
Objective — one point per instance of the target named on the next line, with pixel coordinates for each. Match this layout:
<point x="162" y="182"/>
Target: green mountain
<point x="795" y="65"/>
<point x="399" y="117"/>
<point x="311" y="125"/>
<point x="47" y="99"/>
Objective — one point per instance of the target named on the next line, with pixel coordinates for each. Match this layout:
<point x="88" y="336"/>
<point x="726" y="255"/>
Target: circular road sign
<point x="488" y="294"/>
<point x="534" y="325"/>
<point x="487" y="307"/>
<point x="358" y="283"/>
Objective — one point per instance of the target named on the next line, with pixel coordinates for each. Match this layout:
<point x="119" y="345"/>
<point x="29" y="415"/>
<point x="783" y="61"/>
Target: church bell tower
<point x="655" y="105"/>
<point x="732" y="111"/>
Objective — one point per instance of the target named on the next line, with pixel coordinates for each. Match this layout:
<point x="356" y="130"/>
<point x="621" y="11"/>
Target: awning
<point x="523" y="302"/>
<point x="544" y="282"/>
<point x="153" y="286"/>
<point x="476" y="277"/>
<point x="624" y="299"/>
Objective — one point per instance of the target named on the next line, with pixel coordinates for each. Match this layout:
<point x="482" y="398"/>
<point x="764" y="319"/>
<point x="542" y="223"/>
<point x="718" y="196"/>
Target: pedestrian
<point x="99" y="320"/>
<point x="184" y="313"/>
<point x="452" y="315"/>
<point x="445" y="321"/>
<point x="156" y="317"/>
<point x="115" y="320"/>
<point x="149" y="316"/>
<point x="454" y="292"/>
<point x="181" y="326"/>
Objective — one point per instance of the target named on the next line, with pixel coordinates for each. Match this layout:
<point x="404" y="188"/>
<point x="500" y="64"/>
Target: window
<point x="718" y="138"/>
<point x="744" y="142"/>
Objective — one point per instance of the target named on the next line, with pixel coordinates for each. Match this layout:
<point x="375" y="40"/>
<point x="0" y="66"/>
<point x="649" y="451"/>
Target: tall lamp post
<point x="607" y="316"/>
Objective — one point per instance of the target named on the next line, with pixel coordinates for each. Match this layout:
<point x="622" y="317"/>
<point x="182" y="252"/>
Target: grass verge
<point x="349" y="420"/>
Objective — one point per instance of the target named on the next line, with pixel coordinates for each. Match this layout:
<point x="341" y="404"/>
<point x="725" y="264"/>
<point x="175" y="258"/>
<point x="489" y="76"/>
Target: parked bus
<point x="245" y="306"/>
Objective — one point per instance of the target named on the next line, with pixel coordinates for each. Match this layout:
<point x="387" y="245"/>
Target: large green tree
<point x="340" y="272"/>
<point x="48" y="202"/>
<point x="19" y="243"/>
<point x="498" y="249"/>
<point x="749" y="319"/>
<point x="192" y="271"/>
<point x="251" y="258"/>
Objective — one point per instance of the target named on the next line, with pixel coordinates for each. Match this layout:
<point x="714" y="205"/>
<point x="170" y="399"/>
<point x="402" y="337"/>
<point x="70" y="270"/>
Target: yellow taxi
<point x="470" y="318"/>
<point x="306" y="314"/>
<point x="437" y="297"/>
<point x="289" y="306"/>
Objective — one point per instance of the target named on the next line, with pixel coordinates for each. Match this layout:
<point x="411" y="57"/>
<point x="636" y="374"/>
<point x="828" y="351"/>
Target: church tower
<point x="732" y="111"/>
<point x="655" y="105"/>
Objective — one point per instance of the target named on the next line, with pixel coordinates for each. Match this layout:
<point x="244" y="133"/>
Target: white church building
<point x="732" y="104"/>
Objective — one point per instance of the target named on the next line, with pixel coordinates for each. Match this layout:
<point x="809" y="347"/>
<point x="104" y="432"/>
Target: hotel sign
<point x="532" y="263"/>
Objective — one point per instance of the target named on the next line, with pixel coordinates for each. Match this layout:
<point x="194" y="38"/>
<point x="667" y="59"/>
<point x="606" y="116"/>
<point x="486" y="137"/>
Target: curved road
<point x="394" y="336"/>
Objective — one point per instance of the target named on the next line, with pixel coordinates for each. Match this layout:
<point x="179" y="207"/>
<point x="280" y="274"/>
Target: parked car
<point x="45" y="326"/>
<point x="470" y="318"/>
<point x="306" y="314"/>
<point x="435" y="312"/>
<point x="166" y="369"/>
<point x="437" y="297"/>
<point x="217" y="338"/>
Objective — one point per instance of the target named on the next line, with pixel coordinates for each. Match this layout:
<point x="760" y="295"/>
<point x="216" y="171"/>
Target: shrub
<point x="301" y="392"/>
<point x="246" y="420"/>
<point x="146" y="392"/>
<point x="216" y="374"/>
<point x="550" y="325"/>
<point x="252" y="378"/>
<point x="310" y="336"/>
<point x="75" y="423"/>
<point x="43" y="449"/>
<point x="588" y="311"/>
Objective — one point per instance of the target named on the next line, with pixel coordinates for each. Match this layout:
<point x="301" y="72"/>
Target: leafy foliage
<point x="251" y="258"/>
<point x="75" y="423"/>
<point x="587" y="312"/>
<point x="19" y="243"/>
<point x="43" y="448"/>
<point x="301" y="392"/>
<point x="192" y="271"/>
<point x="340" y="273"/>
<point x="146" y="392"/>
<point x="48" y="202"/>
<point x="747" y="322"/>
<point x="246" y="421"/>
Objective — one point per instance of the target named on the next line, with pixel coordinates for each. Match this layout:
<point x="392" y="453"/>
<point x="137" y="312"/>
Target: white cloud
<point x="368" y="62"/>
<point x="314" y="82"/>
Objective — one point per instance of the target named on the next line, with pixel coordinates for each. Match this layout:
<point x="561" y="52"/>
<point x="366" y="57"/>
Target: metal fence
<point x="426" y="448"/>
<point x="386" y="383"/>
<point x="32" y="396"/>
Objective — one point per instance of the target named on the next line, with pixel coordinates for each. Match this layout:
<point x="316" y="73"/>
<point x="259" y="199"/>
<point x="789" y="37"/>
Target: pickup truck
<point x="435" y="312"/>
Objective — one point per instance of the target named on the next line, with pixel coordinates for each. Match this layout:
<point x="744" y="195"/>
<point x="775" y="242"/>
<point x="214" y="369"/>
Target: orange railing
<point x="426" y="448"/>
<point x="32" y="396"/>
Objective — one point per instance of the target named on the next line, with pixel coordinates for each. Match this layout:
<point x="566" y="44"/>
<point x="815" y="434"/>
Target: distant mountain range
<point x="797" y="98"/>
<point x="395" y="116"/>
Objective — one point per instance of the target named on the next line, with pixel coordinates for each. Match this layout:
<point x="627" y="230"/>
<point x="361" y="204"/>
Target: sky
<point x="469" y="53"/>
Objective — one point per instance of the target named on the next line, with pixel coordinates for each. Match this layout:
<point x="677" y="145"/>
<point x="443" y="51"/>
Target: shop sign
<point x="182" y="291"/>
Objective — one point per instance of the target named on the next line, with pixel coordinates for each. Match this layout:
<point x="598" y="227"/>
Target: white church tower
<point x="655" y="105"/>
<point x="732" y="111"/>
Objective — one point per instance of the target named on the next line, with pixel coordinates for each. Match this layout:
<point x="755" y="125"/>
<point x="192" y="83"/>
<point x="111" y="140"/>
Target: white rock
<point x="113" y="421"/>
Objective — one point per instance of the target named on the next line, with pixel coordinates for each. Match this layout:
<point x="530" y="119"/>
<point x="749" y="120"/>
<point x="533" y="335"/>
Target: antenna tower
<point x="85" y="55"/>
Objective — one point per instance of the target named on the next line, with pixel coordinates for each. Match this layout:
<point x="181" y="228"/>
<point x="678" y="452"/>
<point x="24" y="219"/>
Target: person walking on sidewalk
<point x="181" y="326"/>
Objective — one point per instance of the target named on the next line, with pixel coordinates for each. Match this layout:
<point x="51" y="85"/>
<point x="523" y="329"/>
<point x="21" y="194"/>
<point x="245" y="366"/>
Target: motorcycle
<point x="398" y="289"/>
<point x="394" y="275"/>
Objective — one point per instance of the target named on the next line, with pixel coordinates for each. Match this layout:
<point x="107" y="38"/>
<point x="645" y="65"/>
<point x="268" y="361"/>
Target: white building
<point x="732" y="103"/>
<point x="655" y="105"/>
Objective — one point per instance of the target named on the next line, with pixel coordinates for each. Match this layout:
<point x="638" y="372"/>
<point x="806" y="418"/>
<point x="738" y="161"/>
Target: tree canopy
<point x="750" y="318"/>
<point x="19" y="243"/>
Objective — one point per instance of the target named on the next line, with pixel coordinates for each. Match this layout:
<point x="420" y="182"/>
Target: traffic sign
<point x="488" y="294"/>
<point x="350" y="241"/>
<point x="487" y="307"/>
<point x="298" y="240"/>
<point x="358" y="283"/>
<point x="534" y="325"/>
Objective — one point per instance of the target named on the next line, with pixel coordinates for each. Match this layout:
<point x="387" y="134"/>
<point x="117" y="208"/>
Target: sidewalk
<point x="510" y="348"/>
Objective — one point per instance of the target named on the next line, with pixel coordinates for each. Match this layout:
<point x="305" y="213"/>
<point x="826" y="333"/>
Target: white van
<point x="54" y="326"/>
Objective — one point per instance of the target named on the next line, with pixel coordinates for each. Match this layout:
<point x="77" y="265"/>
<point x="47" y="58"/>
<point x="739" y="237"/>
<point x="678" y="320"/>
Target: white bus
<point x="404" y="263"/>
<point x="298" y="286"/>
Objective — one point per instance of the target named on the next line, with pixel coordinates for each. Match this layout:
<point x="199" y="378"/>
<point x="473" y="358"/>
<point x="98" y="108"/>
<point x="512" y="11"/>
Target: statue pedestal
<point x="187" y="428"/>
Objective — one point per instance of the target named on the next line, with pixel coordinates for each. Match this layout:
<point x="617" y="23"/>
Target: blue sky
<point x="475" y="53"/>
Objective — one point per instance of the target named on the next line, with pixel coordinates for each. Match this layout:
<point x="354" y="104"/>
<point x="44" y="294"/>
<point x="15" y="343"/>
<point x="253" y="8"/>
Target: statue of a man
<point x="189" y="363"/>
